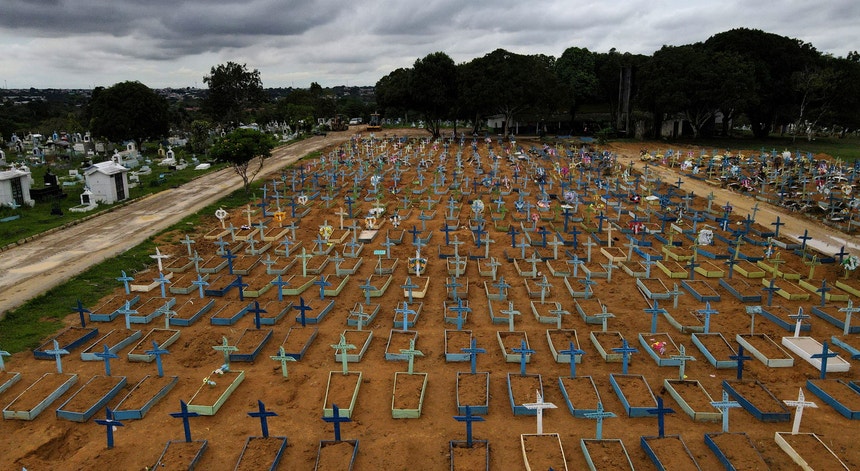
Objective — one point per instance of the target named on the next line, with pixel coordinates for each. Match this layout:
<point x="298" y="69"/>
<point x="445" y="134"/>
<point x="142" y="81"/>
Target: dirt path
<point x="37" y="266"/>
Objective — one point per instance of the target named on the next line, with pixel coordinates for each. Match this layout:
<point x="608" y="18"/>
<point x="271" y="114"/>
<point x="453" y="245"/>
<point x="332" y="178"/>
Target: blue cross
<point x="302" y="307"/>
<point x="57" y="353"/>
<point x="408" y="286"/>
<point x="599" y="415"/>
<point x="823" y="290"/>
<point x="468" y="419"/>
<point x="109" y="423"/>
<point x="280" y="283"/>
<point x="625" y="350"/>
<point x="572" y="352"/>
<point x="655" y="310"/>
<point x="724" y="406"/>
<point x="473" y="352"/>
<point x="263" y="415"/>
<point x="770" y="290"/>
<point x="162" y="280"/>
<point x="184" y="415"/>
<point x="81" y="310"/>
<point x="524" y="351"/>
<point x="107" y="356"/>
<point x="257" y="310"/>
<point x="740" y="358"/>
<point x="229" y="256"/>
<point x="201" y="284"/>
<point x="513" y="233"/>
<point x="824" y="355"/>
<point x="336" y="420"/>
<point x="707" y="312"/>
<point x="157" y="352"/>
<point x="660" y="412"/>
<point x="323" y="284"/>
<point x="447" y="230"/>
<point x="460" y="309"/>
<point x="367" y="287"/>
<point x="777" y="224"/>
<point x="125" y="279"/>
<point x="238" y="283"/>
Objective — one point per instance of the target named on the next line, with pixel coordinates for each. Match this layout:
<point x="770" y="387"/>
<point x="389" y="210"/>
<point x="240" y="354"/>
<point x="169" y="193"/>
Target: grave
<point x="68" y="339"/>
<point x="634" y="393"/>
<point x="143" y="396"/>
<point x="90" y="398"/>
<point x="215" y="390"/>
<point x="115" y="340"/>
<point x="163" y="337"/>
<point x="39" y="395"/>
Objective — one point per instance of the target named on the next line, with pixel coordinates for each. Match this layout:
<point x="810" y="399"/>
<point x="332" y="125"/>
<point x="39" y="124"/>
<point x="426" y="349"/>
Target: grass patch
<point x="27" y="326"/>
<point x="847" y="149"/>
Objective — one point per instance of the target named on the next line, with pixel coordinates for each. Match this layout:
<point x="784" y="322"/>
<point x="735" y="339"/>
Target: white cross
<point x="539" y="406"/>
<point x="159" y="257"/>
<point x="800" y="404"/>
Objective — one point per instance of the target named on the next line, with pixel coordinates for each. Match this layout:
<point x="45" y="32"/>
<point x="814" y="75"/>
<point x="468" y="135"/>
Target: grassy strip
<point x="27" y="326"/>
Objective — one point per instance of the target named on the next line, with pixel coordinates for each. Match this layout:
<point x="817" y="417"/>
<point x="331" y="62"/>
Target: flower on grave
<point x="850" y="263"/>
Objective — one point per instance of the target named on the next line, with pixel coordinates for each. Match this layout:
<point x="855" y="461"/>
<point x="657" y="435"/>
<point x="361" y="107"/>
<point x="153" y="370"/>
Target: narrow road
<point x="37" y="266"/>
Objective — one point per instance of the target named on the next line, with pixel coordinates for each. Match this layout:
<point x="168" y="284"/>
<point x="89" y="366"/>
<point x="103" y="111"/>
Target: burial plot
<point x="693" y="399"/>
<point x="716" y="349"/>
<point x="110" y="309"/>
<point x="816" y="354"/>
<point x="115" y="340"/>
<point x="181" y="455"/>
<point x="39" y="396"/>
<point x="143" y="396"/>
<point x="360" y="339"/>
<point x="250" y="344"/>
<point x="149" y="310"/>
<point x="669" y="452"/>
<point x="808" y="451"/>
<point x="455" y="342"/>
<point x="68" y="339"/>
<point x="407" y="397"/>
<point x="735" y="451"/>
<point x="217" y="387"/>
<point x="763" y="348"/>
<point x="838" y="394"/>
<point x="341" y="388"/>
<point x="91" y="398"/>
<point x="606" y="455"/>
<point x="298" y="341"/>
<point x="757" y="399"/>
<point x="163" y="337"/>
<point x="229" y="313"/>
<point x="660" y="347"/>
<point x="634" y="393"/>
<point x="543" y="451"/>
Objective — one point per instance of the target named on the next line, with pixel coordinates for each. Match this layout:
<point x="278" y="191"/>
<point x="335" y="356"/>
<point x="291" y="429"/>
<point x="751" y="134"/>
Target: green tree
<point x="128" y="111"/>
<point x="241" y="148"/>
<point x="711" y="82"/>
<point x="433" y="89"/>
<point x="198" y="140"/>
<point x="510" y="84"/>
<point x="232" y="90"/>
<point x="392" y="93"/>
<point x="775" y="60"/>
<point x="576" y="70"/>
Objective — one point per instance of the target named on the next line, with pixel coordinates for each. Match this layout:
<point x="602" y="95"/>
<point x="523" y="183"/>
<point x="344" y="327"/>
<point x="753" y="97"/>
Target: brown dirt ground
<point x="386" y="443"/>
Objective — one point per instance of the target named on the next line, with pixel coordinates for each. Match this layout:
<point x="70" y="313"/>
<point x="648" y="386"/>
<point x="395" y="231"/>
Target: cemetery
<point x="393" y="289"/>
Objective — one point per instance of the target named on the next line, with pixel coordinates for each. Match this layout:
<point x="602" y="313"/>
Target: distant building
<point x="108" y="182"/>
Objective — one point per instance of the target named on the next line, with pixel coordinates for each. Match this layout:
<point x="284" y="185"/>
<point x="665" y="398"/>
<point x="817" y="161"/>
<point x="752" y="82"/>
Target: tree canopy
<point x="232" y="90"/>
<point x="240" y="148"/>
<point x="128" y="111"/>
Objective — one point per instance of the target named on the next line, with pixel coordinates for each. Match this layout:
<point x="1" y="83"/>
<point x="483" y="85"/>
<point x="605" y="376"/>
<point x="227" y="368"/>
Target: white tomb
<point x="108" y="181"/>
<point x="15" y="186"/>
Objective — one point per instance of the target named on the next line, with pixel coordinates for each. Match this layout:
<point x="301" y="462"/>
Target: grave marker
<point x="473" y="352"/>
<point x="263" y="414"/>
<point x="336" y="420"/>
<point x="110" y="424"/>
<point x="625" y="350"/>
<point x="660" y="412"/>
<point x="724" y="407"/>
<point x="523" y="350"/>
<point x="573" y="352"/>
<point x="284" y="359"/>
<point x="58" y="353"/>
<point x="342" y="347"/>
<point x="107" y="356"/>
<point x="157" y="352"/>
<point x="539" y="406"/>
<point x="468" y="419"/>
<point x="184" y="415"/>
<point x="800" y="404"/>
<point x="226" y="349"/>
<point x="599" y="415"/>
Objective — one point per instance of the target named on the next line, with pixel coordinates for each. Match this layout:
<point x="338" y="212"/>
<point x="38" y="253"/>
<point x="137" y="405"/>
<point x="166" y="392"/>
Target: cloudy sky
<point x="174" y="43"/>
